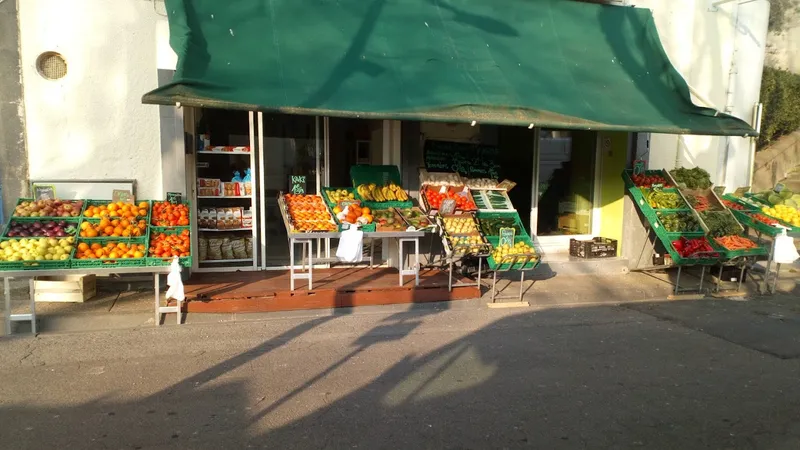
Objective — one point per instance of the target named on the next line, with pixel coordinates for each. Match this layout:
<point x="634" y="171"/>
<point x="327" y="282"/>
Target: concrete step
<point x="563" y="264"/>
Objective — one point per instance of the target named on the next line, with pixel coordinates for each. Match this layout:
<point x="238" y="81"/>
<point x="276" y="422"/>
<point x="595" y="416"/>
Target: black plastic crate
<point x="598" y="247"/>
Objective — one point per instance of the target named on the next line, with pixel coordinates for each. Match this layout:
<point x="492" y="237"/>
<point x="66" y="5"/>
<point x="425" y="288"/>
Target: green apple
<point x="52" y="241"/>
<point x="64" y="257"/>
<point x="5" y="244"/>
<point x="48" y="257"/>
<point x="71" y="240"/>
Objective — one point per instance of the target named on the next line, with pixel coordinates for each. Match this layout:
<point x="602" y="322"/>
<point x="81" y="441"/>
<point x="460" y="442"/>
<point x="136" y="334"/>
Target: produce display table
<point x="688" y="204"/>
<point x="306" y="267"/>
<point x="30" y="274"/>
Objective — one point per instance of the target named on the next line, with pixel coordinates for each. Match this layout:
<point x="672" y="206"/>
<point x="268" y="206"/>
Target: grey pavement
<point x="715" y="374"/>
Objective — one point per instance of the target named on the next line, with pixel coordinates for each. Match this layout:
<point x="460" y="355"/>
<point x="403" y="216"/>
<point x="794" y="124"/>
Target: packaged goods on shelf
<point x="439" y="178"/>
<point x="480" y="183"/>
<point x="233" y="189"/>
<point x="208" y="187"/>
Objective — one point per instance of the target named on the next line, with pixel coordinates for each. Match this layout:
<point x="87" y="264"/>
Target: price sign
<point x="44" y="192"/>
<point x="741" y="191"/>
<point x="639" y="166"/>
<point x="779" y="187"/>
<point x="448" y="206"/>
<point x="507" y="236"/>
<point x="719" y="190"/>
<point x="297" y="184"/>
<point x="174" y="197"/>
<point x="345" y="203"/>
<point x="122" y="195"/>
<point x="507" y="185"/>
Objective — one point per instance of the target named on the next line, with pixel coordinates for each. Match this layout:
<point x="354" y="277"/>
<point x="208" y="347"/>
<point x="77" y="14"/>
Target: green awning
<point x="552" y="63"/>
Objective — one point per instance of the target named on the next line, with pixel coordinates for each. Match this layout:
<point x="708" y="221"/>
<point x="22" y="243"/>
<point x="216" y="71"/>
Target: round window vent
<point x="51" y="65"/>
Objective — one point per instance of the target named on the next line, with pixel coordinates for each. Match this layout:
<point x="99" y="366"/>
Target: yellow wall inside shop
<point x="614" y="155"/>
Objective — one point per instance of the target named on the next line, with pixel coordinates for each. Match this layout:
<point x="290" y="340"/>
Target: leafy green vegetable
<point x="679" y="222"/>
<point x="720" y="223"/>
<point x="696" y="178"/>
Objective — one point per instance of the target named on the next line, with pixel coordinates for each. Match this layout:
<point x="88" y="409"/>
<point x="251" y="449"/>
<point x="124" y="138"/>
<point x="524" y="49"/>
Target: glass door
<point x="290" y="149"/>
<point x="565" y="174"/>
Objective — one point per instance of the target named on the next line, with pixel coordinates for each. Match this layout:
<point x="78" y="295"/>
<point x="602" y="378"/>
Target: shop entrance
<point x="565" y="175"/>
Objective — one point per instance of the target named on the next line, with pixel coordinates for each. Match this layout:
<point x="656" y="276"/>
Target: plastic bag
<point x="202" y="250"/>
<point x="226" y="249"/>
<point x="174" y="282"/>
<point x="351" y="245"/>
<point x="214" y="249"/>
<point x="238" y="246"/>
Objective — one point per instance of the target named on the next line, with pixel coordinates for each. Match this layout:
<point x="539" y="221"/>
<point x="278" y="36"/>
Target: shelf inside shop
<point x="207" y="152"/>
<point x="249" y="197"/>
<point x="222" y="261"/>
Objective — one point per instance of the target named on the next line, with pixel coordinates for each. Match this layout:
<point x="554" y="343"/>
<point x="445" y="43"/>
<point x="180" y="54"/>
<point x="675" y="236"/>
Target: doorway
<point x="565" y="187"/>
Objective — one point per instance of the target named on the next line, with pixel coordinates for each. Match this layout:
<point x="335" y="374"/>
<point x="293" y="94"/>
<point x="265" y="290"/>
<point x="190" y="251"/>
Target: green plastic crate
<point x="330" y="203"/>
<point x="73" y="221"/>
<point x="731" y="254"/>
<point x="185" y="202"/>
<point x="80" y="210"/>
<point x="510" y="263"/>
<point x="36" y="265"/>
<point x="101" y="239"/>
<point x="106" y="202"/>
<point x="110" y="263"/>
<point x="682" y="261"/>
<point x="748" y="221"/>
<point x="380" y="175"/>
<point x="628" y="173"/>
<point x="185" y="261"/>
<point x="501" y="215"/>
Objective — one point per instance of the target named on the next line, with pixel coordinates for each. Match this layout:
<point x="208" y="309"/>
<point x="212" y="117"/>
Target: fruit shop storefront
<point x="557" y="119"/>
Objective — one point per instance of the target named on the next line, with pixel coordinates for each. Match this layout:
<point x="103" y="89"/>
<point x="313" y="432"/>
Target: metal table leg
<point x="678" y="281"/>
<point x="291" y="264"/>
<point x="413" y="271"/>
<point x="702" y="275"/>
<point x="157" y="284"/>
<point x="32" y="305"/>
<point x="7" y="294"/>
<point x="775" y="280"/>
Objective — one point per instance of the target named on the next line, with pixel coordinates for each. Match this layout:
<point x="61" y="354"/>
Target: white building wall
<point x="720" y="54"/>
<point x="92" y="124"/>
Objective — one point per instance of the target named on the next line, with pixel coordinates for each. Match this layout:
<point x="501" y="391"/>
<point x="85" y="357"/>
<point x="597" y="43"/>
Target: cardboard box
<point x="65" y="289"/>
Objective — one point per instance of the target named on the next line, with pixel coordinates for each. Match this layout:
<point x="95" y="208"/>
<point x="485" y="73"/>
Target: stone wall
<point x="775" y="162"/>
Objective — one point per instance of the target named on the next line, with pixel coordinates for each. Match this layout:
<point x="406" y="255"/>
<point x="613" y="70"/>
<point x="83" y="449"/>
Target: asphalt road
<point x="708" y="374"/>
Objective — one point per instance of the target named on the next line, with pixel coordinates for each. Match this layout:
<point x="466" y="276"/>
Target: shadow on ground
<point x="664" y="376"/>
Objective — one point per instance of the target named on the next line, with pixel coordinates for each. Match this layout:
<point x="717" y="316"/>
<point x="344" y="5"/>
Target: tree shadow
<point x="595" y="377"/>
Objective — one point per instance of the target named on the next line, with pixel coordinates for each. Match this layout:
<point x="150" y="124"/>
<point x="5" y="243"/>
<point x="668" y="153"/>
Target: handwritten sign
<point x="448" y="206"/>
<point x="44" y="192"/>
<point x="719" y="190"/>
<point x="507" y="236"/>
<point x="174" y="197"/>
<point x="507" y="185"/>
<point x="297" y="184"/>
<point x="741" y="191"/>
<point x="122" y="195"/>
<point x="469" y="160"/>
<point x="639" y="166"/>
<point x="345" y="203"/>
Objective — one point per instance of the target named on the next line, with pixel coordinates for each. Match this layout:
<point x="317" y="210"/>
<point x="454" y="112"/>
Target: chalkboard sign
<point x="174" y="197"/>
<point x="468" y="160"/>
<point x="122" y="195"/>
<point x="448" y="206"/>
<point x="297" y="184"/>
<point x="507" y="185"/>
<point x="638" y="167"/>
<point x="44" y="192"/>
<point x="507" y="236"/>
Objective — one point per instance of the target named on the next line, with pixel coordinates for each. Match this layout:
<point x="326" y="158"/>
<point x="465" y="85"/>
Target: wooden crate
<point x="65" y="289"/>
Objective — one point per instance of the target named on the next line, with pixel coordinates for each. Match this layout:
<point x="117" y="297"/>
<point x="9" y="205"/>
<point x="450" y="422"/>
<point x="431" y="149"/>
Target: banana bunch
<point x="373" y="193"/>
